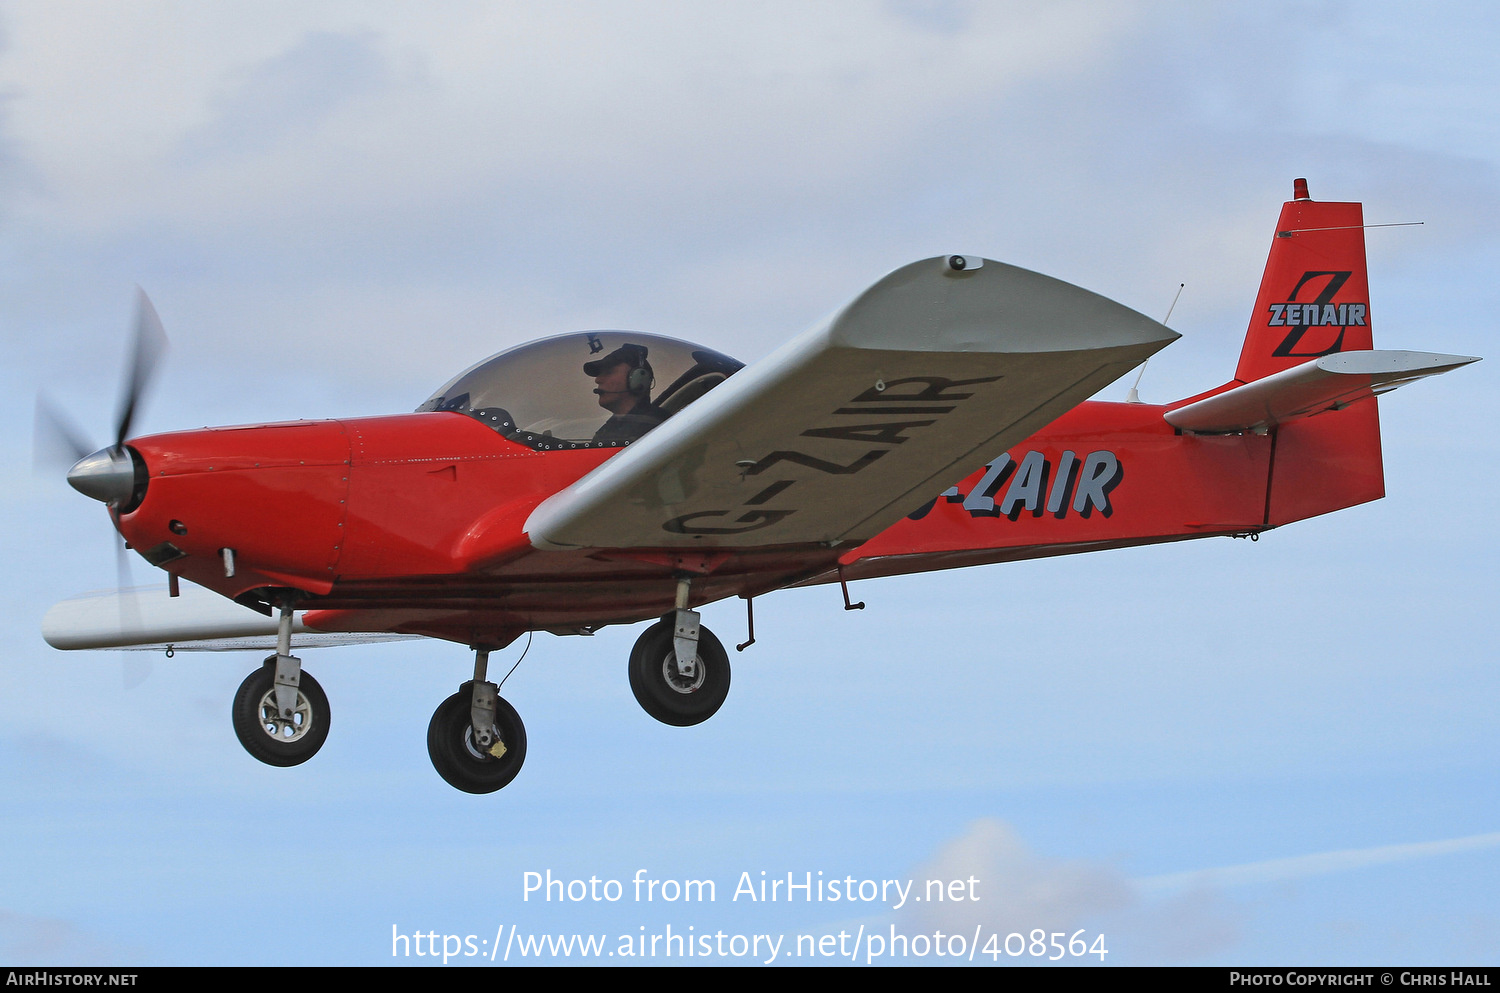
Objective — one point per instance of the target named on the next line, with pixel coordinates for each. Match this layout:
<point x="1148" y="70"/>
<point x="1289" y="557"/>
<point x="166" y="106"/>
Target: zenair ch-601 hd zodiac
<point x="612" y="477"/>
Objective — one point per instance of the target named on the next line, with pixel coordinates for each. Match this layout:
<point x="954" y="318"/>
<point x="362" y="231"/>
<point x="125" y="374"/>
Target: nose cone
<point x="108" y="476"/>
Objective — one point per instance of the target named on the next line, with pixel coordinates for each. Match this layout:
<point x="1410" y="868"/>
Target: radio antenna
<point x="1134" y="395"/>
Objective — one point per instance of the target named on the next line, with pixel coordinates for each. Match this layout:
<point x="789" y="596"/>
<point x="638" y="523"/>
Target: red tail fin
<point x="1315" y="296"/>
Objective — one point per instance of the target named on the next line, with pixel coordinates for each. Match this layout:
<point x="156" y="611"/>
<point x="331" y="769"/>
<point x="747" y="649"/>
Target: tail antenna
<point x="1134" y="396"/>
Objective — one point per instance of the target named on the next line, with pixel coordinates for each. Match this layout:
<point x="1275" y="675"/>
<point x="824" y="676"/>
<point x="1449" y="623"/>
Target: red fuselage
<point x="415" y="523"/>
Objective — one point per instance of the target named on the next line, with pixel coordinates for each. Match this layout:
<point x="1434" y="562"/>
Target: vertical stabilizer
<point x="1315" y="296"/>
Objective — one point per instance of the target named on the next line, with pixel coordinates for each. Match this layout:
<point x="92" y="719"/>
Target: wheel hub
<point x="481" y="753"/>
<point x="680" y="682"/>
<point x="285" y="729"/>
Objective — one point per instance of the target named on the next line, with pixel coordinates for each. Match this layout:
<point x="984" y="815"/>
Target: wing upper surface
<point x="848" y="427"/>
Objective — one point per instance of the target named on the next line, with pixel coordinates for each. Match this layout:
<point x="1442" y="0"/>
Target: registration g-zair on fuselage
<point x="941" y="419"/>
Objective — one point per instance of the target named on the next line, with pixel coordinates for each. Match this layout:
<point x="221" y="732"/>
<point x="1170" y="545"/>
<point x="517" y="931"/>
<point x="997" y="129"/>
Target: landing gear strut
<point x="476" y="740"/>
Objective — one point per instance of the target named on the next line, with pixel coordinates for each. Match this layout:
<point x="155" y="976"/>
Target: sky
<point x="1209" y="752"/>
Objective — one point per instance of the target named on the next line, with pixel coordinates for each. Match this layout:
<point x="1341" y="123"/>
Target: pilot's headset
<point x="640" y="379"/>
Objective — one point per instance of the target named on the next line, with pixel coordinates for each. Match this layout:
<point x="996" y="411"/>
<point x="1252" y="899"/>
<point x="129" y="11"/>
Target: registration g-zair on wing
<point x="939" y="420"/>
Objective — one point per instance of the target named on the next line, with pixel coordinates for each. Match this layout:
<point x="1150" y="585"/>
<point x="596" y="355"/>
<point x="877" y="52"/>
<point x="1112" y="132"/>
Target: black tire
<point x="658" y="688"/>
<point x="266" y="737"/>
<point x="450" y="745"/>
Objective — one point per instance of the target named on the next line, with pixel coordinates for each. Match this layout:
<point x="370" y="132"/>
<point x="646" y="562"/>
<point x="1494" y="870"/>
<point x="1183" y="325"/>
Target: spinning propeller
<point x="115" y="475"/>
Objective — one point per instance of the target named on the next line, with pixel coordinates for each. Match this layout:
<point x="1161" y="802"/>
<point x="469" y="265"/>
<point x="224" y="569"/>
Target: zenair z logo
<point x="1319" y="312"/>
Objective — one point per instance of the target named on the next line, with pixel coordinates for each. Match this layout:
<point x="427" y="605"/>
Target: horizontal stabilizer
<point x="846" y="429"/>
<point x="1331" y="382"/>
<point x="146" y="618"/>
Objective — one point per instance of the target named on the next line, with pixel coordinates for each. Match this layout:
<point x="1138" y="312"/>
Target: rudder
<point x="1314" y="298"/>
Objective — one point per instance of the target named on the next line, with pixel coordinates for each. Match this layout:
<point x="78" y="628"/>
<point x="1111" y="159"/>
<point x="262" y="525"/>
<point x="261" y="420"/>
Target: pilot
<point x="623" y="381"/>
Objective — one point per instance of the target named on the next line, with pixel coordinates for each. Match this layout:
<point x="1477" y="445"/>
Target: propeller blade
<point x="134" y="668"/>
<point x="108" y="474"/>
<point x="56" y="442"/>
<point x="150" y="343"/>
<point x="123" y="582"/>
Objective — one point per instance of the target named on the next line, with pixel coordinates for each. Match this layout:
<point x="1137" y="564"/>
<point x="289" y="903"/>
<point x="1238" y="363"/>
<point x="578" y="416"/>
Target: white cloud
<point x="599" y="99"/>
<point x="1018" y="890"/>
<point x="1183" y="916"/>
<point x="1021" y="891"/>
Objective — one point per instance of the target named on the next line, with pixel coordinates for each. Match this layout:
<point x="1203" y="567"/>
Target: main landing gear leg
<point x="476" y="740"/>
<point x="679" y="672"/>
<point x="685" y="633"/>
<point x="280" y="712"/>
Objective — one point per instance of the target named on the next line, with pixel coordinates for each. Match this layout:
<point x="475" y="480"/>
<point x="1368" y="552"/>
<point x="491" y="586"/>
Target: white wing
<point x="852" y="425"/>
<point x="199" y="620"/>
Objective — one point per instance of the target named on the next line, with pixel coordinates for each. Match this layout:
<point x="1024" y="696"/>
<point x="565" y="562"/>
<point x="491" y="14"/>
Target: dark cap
<point x="631" y="355"/>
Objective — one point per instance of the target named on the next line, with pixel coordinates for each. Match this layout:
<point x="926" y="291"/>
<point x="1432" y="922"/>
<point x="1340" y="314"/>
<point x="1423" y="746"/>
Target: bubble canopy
<point x="590" y="389"/>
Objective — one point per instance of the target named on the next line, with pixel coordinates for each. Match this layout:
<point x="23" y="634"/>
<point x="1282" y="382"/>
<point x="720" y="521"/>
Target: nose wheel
<point x="281" y="736"/>
<point x="476" y="763"/>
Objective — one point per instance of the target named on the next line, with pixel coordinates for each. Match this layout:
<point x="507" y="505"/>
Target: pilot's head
<point x="622" y="379"/>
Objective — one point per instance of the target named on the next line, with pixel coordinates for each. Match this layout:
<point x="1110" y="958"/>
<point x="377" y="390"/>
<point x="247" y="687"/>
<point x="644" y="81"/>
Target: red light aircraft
<point x="612" y="477"/>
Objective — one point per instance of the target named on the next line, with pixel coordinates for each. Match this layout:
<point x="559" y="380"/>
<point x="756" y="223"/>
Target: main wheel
<point x="666" y="694"/>
<point x="455" y="756"/>
<point x="265" y="733"/>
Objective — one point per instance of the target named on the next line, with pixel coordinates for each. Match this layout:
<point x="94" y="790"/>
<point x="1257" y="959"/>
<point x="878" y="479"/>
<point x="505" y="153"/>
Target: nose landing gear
<point x="275" y="735"/>
<point x="280" y="712"/>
